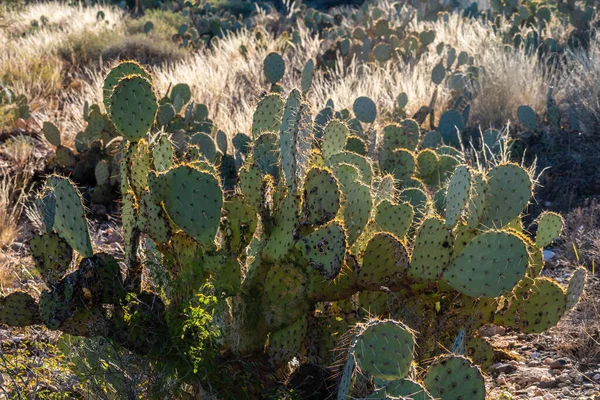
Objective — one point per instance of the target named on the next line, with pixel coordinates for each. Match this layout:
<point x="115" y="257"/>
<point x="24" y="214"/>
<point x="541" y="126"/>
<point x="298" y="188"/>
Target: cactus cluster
<point x="309" y="230"/>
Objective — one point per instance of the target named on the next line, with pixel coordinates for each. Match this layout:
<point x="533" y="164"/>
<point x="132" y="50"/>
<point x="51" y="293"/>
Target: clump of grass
<point x="144" y="49"/>
<point x="20" y="150"/>
<point x="11" y="206"/>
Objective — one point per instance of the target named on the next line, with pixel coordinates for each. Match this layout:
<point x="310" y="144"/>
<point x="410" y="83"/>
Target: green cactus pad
<point x="403" y="136"/>
<point x="480" y="352"/>
<point x="334" y="138"/>
<point x="166" y="113"/>
<point x="356" y="145"/>
<point x="394" y="218"/>
<point x="206" y="145"/>
<point x="549" y="228"/>
<point x="453" y="377"/>
<point x="281" y="238"/>
<point x="242" y="143"/>
<point x="119" y="72"/>
<point x="221" y="140"/>
<point x="19" y="309"/>
<point x="462" y="236"/>
<point x="365" y="110"/>
<point x="357" y="205"/>
<point x="362" y="163"/>
<point x="384" y="350"/>
<point x="576" y="287"/>
<point x="537" y="306"/>
<point x="46" y="203"/>
<point x="400" y="163"/>
<point x="417" y="198"/>
<point x="321" y="197"/>
<point x="508" y="191"/>
<point x="65" y="157"/>
<point x="527" y="117"/>
<point x="267" y="117"/>
<point x="284" y="297"/>
<point x="403" y="389"/>
<point x="489" y="266"/>
<point x="250" y="184"/>
<point x="153" y="219"/>
<point x="383" y="52"/>
<point x="385" y="262"/>
<point x="133" y="107"/>
<point x="51" y="133"/>
<point x="193" y="199"/>
<point x="286" y="343"/>
<point x="274" y="67"/>
<point x="162" y="153"/>
<point x="69" y="221"/>
<point x="225" y="271"/>
<point x="476" y="204"/>
<point x="324" y="249"/>
<point x="180" y="96"/>
<point x="438" y="73"/>
<point x="307" y="76"/>
<point x="346" y="174"/>
<point x="431" y="140"/>
<point x="432" y="250"/>
<point x="450" y="126"/>
<point x="52" y="256"/>
<point x="139" y="164"/>
<point x="242" y="223"/>
<point x="266" y="154"/>
<point x="457" y="194"/>
<point x="427" y="162"/>
<point x="102" y="173"/>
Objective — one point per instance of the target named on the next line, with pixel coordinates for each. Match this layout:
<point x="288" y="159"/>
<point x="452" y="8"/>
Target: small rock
<point x="548" y="255"/>
<point x="504" y="368"/>
<point x="564" y="385"/>
<point x="549" y="384"/>
<point x="492" y="330"/>
<point x="579" y="379"/>
<point x="547" y="360"/>
<point x="596" y="377"/>
<point x="558" y="364"/>
<point x="535" y="354"/>
<point x="501" y="380"/>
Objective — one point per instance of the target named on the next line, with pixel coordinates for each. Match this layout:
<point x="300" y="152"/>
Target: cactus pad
<point x="432" y="250"/>
<point x="51" y="133"/>
<point x="365" y="110"/>
<point x="274" y="67"/>
<point x="538" y="305"/>
<point x="52" y="256"/>
<point x="266" y="154"/>
<point x="357" y="206"/>
<point x="69" y="221"/>
<point x="307" y="76"/>
<point x="162" y="153"/>
<point x="394" y="218"/>
<point x="427" y="162"/>
<point x="527" y="117"/>
<point x="19" y="309"/>
<point x="400" y="163"/>
<point x="384" y="263"/>
<point x="285" y="226"/>
<point x="286" y="342"/>
<point x="384" y="350"/>
<point x="119" y="72"/>
<point x="403" y="389"/>
<point x="508" y="192"/>
<point x="133" y="107"/>
<point x="267" y="117"/>
<point x="453" y="377"/>
<point x="284" y="299"/>
<point x="489" y="266"/>
<point x="321" y="197"/>
<point x="575" y="288"/>
<point x="193" y="199"/>
<point x="549" y="228"/>
<point x="457" y="194"/>
<point x="480" y="352"/>
<point x="334" y="138"/>
<point x="206" y="145"/>
<point x="324" y="249"/>
<point x="362" y="163"/>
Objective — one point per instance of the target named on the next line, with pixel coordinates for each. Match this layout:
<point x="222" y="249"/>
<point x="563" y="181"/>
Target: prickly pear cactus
<point x="300" y="230"/>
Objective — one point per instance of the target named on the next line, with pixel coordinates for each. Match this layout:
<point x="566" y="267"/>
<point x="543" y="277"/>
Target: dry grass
<point x="11" y="206"/>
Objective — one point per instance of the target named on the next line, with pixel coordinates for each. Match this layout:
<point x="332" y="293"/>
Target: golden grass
<point x="11" y="206"/>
